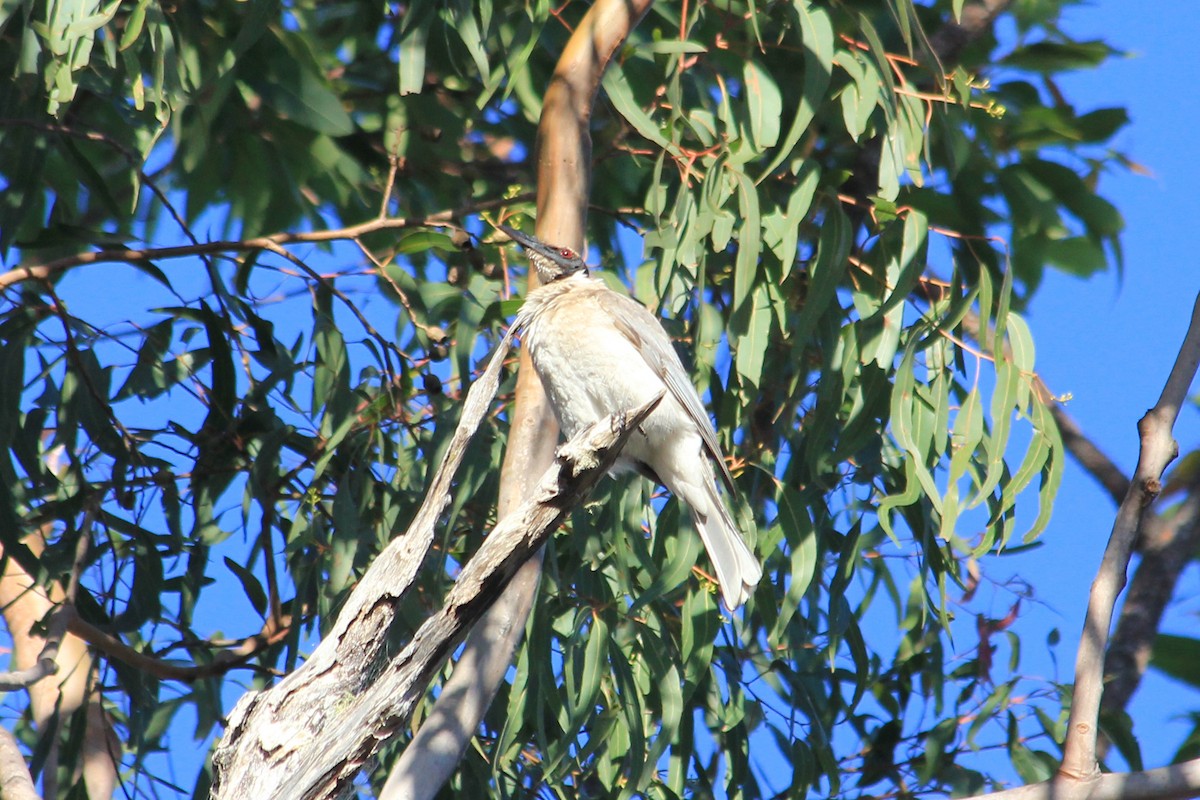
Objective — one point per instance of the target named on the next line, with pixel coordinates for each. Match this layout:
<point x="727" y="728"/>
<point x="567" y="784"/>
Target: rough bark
<point x="268" y="755"/>
<point x="282" y="720"/>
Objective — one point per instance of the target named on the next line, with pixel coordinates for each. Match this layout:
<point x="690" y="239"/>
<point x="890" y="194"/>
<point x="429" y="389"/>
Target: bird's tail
<point x="738" y="570"/>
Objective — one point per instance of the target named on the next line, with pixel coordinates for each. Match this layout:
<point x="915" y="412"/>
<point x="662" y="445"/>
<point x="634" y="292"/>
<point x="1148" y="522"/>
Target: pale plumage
<point x="597" y="352"/>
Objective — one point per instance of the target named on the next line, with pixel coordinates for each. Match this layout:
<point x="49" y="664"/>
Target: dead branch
<point x="268" y="755"/>
<point x="356" y="648"/>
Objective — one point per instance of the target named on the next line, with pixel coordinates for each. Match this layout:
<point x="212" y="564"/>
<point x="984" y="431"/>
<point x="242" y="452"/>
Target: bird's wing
<point x="646" y="333"/>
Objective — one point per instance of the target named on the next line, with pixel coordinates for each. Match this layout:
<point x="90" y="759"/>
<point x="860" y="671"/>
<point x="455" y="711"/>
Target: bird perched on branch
<point x="598" y="352"/>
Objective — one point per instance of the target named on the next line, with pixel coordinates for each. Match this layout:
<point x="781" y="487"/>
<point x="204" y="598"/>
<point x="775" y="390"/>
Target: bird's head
<point x="550" y="262"/>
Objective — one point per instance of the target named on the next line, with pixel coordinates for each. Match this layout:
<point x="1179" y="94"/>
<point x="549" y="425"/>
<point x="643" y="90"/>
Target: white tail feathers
<point x="738" y="570"/>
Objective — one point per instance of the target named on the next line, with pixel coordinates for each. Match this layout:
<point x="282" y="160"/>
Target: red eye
<point x="565" y="253"/>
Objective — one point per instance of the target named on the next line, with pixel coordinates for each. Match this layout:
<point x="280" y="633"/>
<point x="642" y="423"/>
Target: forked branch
<point x="323" y="759"/>
<point x="1158" y="449"/>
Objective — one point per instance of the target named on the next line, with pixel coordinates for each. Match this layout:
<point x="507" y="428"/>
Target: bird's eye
<point x="565" y="253"/>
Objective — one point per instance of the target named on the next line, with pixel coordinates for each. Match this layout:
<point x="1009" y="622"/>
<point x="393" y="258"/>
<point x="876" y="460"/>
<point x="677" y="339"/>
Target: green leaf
<point x="860" y="96"/>
<point x="826" y="271"/>
<point x="1117" y="727"/>
<point x="250" y="585"/>
<point x="798" y="531"/>
<point x="968" y="432"/>
<point x="620" y="93"/>
<point x="1046" y="429"/>
<point x="1101" y="125"/>
<point x="462" y="17"/>
<point x="701" y="620"/>
<point x="765" y="105"/>
<point x="1048" y="57"/>
<point x="746" y="267"/>
<point x="1178" y="657"/>
<point x="1077" y="255"/>
<point x="420" y="241"/>
<point x="304" y="98"/>
<point x="681" y="553"/>
<point x="751" y="347"/>
<point x="413" y="48"/>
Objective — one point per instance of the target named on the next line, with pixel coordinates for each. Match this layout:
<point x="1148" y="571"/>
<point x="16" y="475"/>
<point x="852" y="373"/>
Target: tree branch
<point x="25" y="604"/>
<point x="951" y="39"/>
<point x="56" y="629"/>
<point x="323" y="759"/>
<point x="355" y="650"/>
<point x="272" y="241"/>
<point x="223" y="661"/>
<point x="1167" y="548"/>
<point x="15" y="781"/>
<point x="1158" y="449"/>
<point x="1163" y="783"/>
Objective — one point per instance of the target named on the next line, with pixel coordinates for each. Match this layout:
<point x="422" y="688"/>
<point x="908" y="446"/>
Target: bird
<point x="598" y="352"/>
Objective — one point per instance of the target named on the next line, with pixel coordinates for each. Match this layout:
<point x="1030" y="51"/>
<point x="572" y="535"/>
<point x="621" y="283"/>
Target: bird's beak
<point x="525" y="241"/>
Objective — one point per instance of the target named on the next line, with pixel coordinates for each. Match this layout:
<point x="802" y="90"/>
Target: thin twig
<point x="223" y="661"/>
<point x="44" y="271"/>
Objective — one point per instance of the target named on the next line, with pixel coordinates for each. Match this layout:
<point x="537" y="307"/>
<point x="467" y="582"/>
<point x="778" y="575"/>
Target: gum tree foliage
<point x="839" y="212"/>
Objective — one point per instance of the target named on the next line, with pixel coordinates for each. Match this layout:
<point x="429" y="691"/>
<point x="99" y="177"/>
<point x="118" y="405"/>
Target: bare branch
<point x="374" y="715"/>
<point x="321" y="757"/>
<point x="24" y="678"/>
<point x="1163" y="783"/>
<point x="356" y="649"/>
<point x="47" y="661"/>
<point x="1164" y="556"/>
<point x="25" y="604"/>
<point x="223" y="660"/>
<point x="1158" y="449"/>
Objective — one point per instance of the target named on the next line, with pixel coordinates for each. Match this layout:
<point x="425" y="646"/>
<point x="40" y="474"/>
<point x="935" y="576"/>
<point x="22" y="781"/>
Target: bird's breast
<point x="589" y="369"/>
